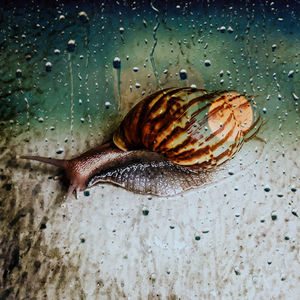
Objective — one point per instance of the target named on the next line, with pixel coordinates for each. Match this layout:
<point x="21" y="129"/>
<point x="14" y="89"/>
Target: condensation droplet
<point x="291" y="74"/>
<point x="117" y="63"/>
<point x="207" y="62"/>
<point x="19" y="73"/>
<point x="48" y="66"/>
<point x="183" y="74"/>
<point x="71" y="45"/>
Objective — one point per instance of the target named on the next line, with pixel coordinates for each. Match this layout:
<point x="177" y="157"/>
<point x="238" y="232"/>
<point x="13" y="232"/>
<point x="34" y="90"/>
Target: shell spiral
<point x="189" y="126"/>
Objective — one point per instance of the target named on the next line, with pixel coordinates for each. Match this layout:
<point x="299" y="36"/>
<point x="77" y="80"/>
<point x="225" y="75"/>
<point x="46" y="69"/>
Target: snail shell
<point x="172" y="141"/>
<point x="188" y="126"/>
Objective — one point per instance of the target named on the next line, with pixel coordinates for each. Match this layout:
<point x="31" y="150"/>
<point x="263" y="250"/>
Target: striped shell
<point x="189" y="126"/>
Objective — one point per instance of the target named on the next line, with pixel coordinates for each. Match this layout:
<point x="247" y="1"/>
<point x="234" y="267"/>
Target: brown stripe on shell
<point x="167" y="121"/>
<point x="157" y="125"/>
<point x="166" y="97"/>
<point x="196" y="154"/>
<point x="214" y="160"/>
<point x="146" y="103"/>
<point x="128" y="134"/>
<point x="156" y="103"/>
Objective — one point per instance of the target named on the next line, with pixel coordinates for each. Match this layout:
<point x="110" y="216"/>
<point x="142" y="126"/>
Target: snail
<point x="171" y="141"/>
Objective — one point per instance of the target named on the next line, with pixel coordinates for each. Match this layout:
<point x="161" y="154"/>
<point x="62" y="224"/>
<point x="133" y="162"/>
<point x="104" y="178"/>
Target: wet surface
<point x="238" y="238"/>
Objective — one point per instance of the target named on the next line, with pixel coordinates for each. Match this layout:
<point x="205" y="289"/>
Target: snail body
<point x="171" y="141"/>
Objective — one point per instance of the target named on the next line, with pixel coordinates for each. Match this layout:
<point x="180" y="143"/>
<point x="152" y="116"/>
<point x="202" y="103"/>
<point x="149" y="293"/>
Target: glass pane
<point x="157" y="227"/>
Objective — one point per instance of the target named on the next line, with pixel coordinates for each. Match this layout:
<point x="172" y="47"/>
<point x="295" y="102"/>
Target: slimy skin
<point x="81" y="169"/>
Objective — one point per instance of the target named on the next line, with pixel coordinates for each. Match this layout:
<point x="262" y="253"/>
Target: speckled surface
<point x="236" y="239"/>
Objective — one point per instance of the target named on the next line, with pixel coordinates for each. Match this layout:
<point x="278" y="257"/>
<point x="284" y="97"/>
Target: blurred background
<point x="68" y="74"/>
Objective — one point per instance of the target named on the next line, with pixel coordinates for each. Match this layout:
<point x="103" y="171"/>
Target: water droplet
<point x="71" y="45"/>
<point x="291" y="74"/>
<point x="117" y="63"/>
<point x="19" y="73"/>
<point x="183" y="74"/>
<point x="145" y="211"/>
<point x="230" y="29"/>
<point x="107" y="104"/>
<point x="222" y="29"/>
<point x="153" y="277"/>
<point x="48" y="66"/>
<point x="296" y="98"/>
<point x="237" y="271"/>
<point x="207" y="63"/>
<point x="273" y="216"/>
<point x="83" y="16"/>
<point x="294" y="212"/>
<point x="283" y="277"/>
